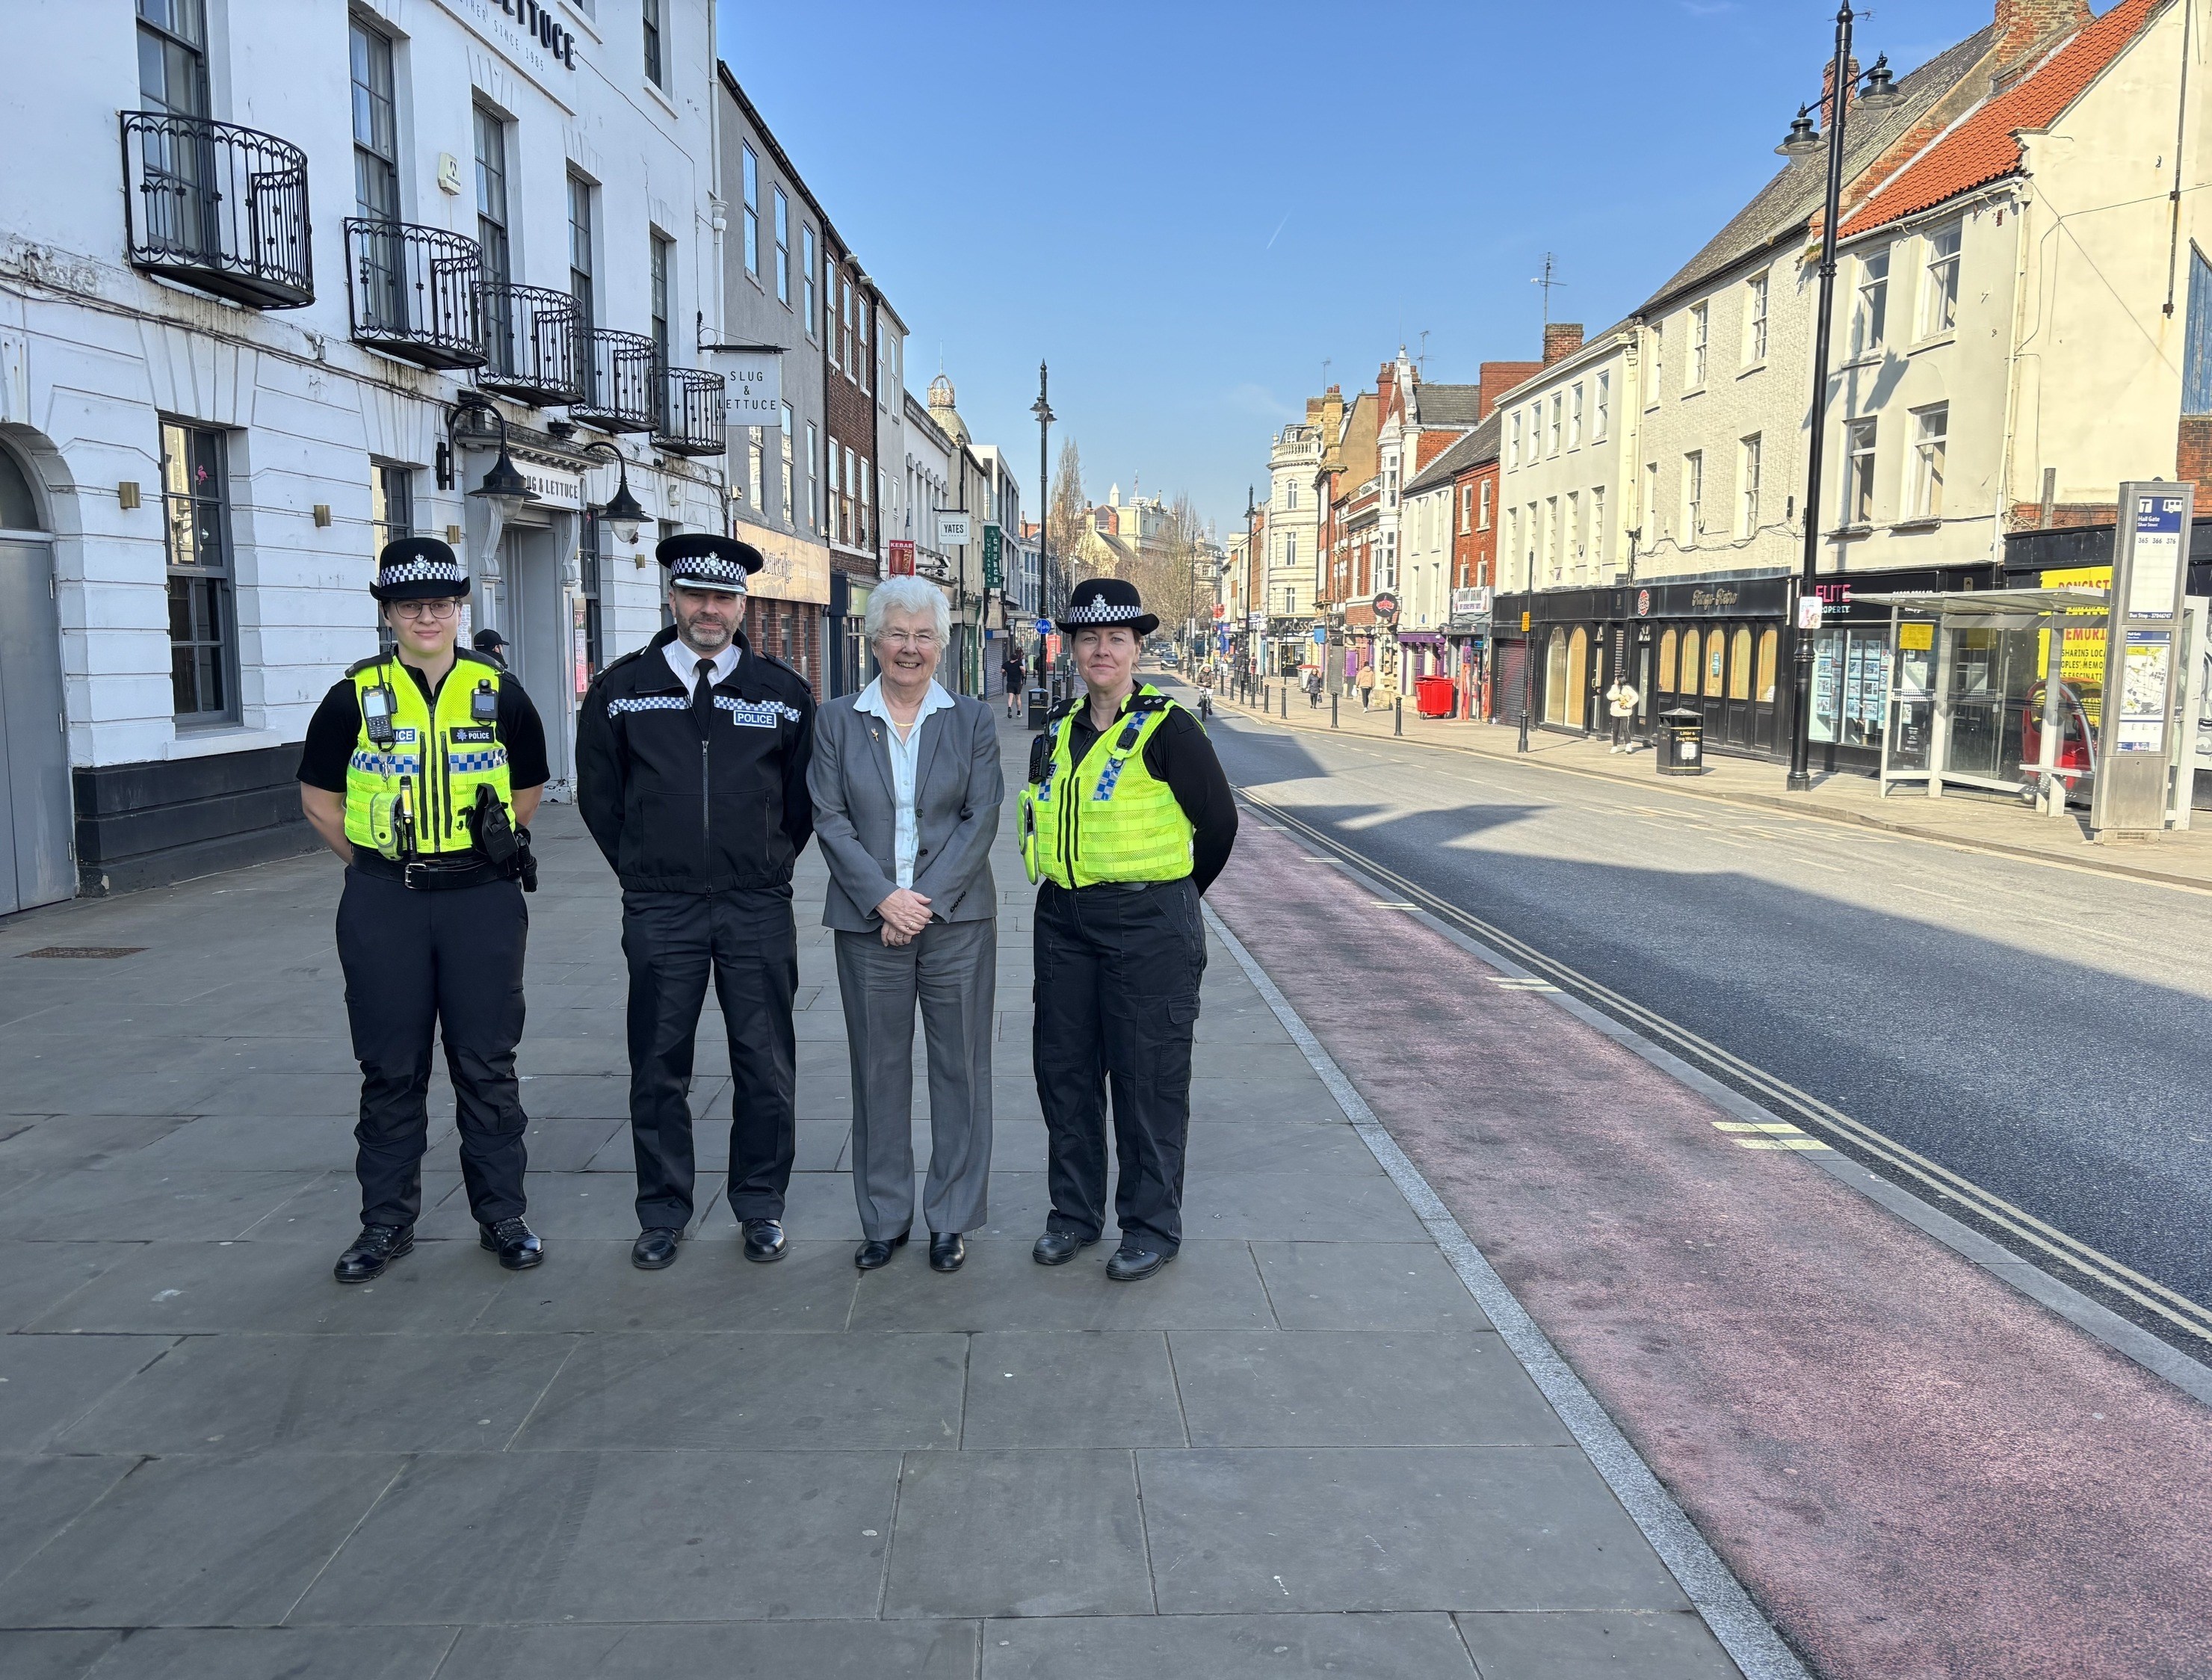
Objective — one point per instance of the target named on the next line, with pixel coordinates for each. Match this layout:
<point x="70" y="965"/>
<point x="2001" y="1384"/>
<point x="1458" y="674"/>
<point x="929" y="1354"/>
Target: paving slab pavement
<point x="1302" y="1449"/>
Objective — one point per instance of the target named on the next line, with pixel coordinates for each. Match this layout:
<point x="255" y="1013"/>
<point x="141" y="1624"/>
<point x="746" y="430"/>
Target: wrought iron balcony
<point x="619" y="393"/>
<point x="411" y="292"/>
<point x="530" y="336"/>
<point x="218" y="208"/>
<point x="690" y="418"/>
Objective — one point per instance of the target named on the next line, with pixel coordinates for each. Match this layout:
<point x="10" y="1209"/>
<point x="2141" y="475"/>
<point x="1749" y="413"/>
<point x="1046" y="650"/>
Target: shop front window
<point x="1667" y="642"/>
<point x="1577" y="695"/>
<point x="1739" y="680"/>
<point x="1555" y="678"/>
<point x="1715" y="662"/>
<point x="1689" y="665"/>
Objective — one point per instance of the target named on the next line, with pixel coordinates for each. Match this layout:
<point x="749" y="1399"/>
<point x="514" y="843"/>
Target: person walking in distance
<point x="1366" y="685"/>
<point x="691" y="760"/>
<point x="422" y="770"/>
<point x="1126" y="820"/>
<point x="1621" y="703"/>
<point x="1013" y="670"/>
<point x="907" y="788"/>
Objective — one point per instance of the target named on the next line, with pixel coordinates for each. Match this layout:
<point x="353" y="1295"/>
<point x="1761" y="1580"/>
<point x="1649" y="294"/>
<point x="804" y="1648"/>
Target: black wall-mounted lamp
<point x="503" y="489"/>
<point x="621" y="509"/>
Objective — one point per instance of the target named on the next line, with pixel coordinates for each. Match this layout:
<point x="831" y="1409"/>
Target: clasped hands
<point x="905" y="914"/>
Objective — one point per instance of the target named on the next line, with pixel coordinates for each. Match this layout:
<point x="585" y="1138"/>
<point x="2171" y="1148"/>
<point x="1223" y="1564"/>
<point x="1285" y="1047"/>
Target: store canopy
<point x="1993" y="603"/>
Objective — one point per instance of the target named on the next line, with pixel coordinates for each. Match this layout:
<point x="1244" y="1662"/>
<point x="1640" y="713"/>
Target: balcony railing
<point x="218" y="208"/>
<point x="411" y="292"/>
<point x="619" y="393"/>
<point x="531" y="341"/>
<point x="689" y="420"/>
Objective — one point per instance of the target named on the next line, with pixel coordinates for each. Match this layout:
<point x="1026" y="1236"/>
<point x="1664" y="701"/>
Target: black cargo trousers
<point x="421" y="966"/>
<point x="1116" y="1002"/>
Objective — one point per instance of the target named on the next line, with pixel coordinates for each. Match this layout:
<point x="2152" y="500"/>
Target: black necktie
<point x="703" y="698"/>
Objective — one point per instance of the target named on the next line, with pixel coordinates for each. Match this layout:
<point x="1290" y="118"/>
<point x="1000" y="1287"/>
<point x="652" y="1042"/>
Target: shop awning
<point x="1993" y="603"/>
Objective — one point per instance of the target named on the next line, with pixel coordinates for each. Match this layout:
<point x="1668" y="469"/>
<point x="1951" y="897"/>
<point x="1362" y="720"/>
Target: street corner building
<point x="285" y="281"/>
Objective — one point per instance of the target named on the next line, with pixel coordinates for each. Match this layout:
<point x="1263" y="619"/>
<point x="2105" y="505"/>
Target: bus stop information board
<point x="2130" y="795"/>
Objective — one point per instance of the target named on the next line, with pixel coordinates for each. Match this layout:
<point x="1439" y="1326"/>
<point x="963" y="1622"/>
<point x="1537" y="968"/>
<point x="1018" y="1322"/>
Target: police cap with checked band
<point x="702" y="560"/>
<point x="418" y="568"/>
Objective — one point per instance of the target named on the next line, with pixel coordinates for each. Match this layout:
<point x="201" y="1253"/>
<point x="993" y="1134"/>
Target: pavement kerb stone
<point x="2096" y="861"/>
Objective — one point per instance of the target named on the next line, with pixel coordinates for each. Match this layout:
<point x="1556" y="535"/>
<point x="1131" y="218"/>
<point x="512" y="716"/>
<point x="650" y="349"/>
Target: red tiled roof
<point x="1980" y="148"/>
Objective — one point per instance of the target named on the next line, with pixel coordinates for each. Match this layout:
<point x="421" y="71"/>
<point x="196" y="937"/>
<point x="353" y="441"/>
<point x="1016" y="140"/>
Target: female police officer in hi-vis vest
<point x="422" y="770"/>
<point x="1127" y="819"/>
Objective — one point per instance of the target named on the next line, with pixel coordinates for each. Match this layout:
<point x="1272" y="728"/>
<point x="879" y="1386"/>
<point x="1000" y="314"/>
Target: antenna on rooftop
<point x="1422" y="360"/>
<point x="1546" y="281"/>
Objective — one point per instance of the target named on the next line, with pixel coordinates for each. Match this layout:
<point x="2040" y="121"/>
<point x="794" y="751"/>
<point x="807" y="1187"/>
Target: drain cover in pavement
<point x="86" y="950"/>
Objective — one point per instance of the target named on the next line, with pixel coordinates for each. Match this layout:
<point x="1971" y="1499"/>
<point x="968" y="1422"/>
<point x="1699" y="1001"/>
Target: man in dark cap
<point x="1127" y="819"/>
<point x="422" y="770"/>
<point x="691" y="774"/>
<point x="492" y="645"/>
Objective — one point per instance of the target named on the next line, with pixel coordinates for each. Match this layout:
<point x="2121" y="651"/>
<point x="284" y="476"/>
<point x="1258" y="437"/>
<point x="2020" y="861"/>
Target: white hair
<point x="909" y="594"/>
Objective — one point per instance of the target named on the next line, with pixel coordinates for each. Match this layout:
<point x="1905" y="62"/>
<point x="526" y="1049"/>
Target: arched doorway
<point x="1555" y="678"/>
<point x="35" y="866"/>
<point x="1577" y="695"/>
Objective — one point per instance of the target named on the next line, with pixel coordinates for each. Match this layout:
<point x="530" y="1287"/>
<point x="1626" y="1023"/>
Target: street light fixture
<point x="620" y="510"/>
<point x="504" y="490"/>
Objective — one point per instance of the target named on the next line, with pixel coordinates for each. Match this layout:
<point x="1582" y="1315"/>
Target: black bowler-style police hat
<point x="1101" y="601"/>
<point x="418" y="568"/>
<point x="702" y="560"/>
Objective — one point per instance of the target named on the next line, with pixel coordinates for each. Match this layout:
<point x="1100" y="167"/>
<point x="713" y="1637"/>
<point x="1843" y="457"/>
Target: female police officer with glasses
<point x="422" y="770"/>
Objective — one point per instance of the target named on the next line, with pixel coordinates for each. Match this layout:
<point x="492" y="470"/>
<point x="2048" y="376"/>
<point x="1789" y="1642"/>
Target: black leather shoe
<point x="1131" y="1263"/>
<point x="871" y="1254"/>
<point x="515" y="1243"/>
<point x="377" y="1247"/>
<point x="655" y="1248"/>
<point x="763" y="1239"/>
<point x="946" y="1250"/>
<point x="1057" y="1248"/>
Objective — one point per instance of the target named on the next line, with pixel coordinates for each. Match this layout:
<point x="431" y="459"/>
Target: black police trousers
<point x="1116" y="1002"/>
<point x="750" y="944"/>
<point x="450" y="962"/>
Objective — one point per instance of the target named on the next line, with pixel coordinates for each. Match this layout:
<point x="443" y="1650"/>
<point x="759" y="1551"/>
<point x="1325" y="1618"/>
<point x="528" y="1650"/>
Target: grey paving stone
<point x="1020" y="1533"/>
<point x="1284" y="1143"/>
<point x="617" y="1537"/>
<point x="1359" y="1388"/>
<point x="46" y="1382"/>
<point x="326" y="1211"/>
<point x="63" y="1141"/>
<point x="846" y="1650"/>
<point x="1211" y="1286"/>
<point x="589" y="1285"/>
<point x="198" y="1288"/>
<point x="39" y="1496"/>
<point x="51" y="1655"/>
<point x="197" y="1543"/>
<point x="1226" y="1647"/>
<point x="566" y="1145"/>
<point x="1313" y="1206"/>
<point x="1652" y="1645"/>
<point x="275" y="1653"/>
<point x="601" y="1095"/>
<point x="1072" y="1389"/>
<point x="253" y="1143"/>
<point x="568" y="1205"/>
<point x="282" y="1094"/>
<point x="234" y="1394"/>
<point x="722" y="1392"/>
<point x="1364" y="1286"/>
<point x="147" y="1202"/>
<point x="35" y="1276"/>
<point x="1351" y="1529"/>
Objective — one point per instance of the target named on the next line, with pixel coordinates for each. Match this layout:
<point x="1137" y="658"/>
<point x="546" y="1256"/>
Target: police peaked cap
<point x="418" y="568"/>
<point x="1101" y="602"/>
<point x="702" y="560"/>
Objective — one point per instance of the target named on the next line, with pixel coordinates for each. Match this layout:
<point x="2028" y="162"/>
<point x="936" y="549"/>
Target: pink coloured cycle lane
<point x="1917" y="1472"/>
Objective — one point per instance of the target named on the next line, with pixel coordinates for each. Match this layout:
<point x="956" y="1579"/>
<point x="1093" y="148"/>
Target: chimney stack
<point x="1828" y="91"/>
<point x="2023" y="25"/>
<point x="1561" y="339"/>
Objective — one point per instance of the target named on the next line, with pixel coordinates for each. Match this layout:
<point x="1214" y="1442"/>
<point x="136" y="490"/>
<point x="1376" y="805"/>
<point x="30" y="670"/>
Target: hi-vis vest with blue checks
<point x="417" y="797"/>
<point x="1107" y="819"/>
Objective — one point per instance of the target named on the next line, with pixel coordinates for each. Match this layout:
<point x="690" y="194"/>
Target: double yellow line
<point x="1781" y="1095"/>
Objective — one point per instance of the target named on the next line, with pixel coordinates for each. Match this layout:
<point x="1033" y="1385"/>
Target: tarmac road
<point x="2039" y="1032"/>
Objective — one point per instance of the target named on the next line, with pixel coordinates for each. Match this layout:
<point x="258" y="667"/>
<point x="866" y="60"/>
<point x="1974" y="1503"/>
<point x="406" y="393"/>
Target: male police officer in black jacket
<point x="691" y="774"/>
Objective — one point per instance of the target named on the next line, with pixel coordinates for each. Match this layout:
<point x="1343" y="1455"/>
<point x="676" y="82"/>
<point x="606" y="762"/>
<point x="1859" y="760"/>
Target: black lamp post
<point x="504" y="490"/>
<point x="1800" y="142"/>
<point x="620" y="510"/>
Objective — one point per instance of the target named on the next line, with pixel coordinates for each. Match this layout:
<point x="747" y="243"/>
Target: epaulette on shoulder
<point x="361" y="665"/>
<point x="481" y="659"/>
<point x="621" y="660"/>
<point x="1150" y="703"/>
<point x="771" y="659"/>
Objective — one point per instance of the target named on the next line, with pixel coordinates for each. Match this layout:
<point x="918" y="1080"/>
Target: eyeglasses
<point x="909" y="638"/>
<point x="436" y="612"/>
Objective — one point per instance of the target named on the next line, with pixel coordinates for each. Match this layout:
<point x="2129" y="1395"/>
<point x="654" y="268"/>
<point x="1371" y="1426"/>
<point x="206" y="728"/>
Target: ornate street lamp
<point x="621" y="509"/>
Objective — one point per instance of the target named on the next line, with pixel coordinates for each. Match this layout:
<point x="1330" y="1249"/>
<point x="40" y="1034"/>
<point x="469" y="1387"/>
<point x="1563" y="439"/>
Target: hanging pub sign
<point x="955" y="530"/>
<point x="752" y="384"/>
<point x="994" y="575"/>
<point x="1386" y="608"/>
<point x="901" y="556"/>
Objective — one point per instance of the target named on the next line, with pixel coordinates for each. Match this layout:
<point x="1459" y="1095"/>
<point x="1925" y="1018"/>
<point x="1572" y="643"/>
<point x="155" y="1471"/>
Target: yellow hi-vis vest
<point x="417" y="797"/>
<point x="1107" y="819"/>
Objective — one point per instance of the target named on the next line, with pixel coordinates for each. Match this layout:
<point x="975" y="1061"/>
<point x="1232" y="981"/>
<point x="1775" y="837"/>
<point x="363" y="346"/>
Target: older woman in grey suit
<point x="907" y="788"/>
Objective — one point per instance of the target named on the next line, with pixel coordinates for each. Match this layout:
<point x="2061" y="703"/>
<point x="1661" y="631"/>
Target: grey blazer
<point x="958" y="789"/>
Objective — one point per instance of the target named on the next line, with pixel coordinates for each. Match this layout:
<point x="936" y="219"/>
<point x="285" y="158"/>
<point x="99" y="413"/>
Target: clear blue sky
<point x="1185" y="207"/>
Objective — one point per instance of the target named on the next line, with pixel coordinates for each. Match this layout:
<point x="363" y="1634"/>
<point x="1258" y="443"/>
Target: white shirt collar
<point x="686" y="663"/>
<point x="871" y="700"/>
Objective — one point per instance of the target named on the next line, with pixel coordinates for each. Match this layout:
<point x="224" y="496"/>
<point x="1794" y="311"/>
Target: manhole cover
<point x="86" y="950"/>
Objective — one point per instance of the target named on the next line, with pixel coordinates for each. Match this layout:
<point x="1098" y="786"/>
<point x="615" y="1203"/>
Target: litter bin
<point x="1681" y="743"/>
<point x="1038" y="708"/>
<point x="1432" y="696"/>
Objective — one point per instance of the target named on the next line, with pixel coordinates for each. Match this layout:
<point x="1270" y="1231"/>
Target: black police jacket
<point x="679" y="810"/>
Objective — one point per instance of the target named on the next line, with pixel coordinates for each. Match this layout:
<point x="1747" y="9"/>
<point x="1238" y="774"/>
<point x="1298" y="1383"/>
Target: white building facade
<point x="335" y="253"/>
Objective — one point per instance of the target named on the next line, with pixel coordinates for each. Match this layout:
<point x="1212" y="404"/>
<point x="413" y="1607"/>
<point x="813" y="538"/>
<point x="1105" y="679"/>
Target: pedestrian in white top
<point x="1620" y="702"/>
<point x="907" y="787"/>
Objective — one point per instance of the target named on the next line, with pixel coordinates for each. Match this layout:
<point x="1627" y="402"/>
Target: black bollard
<point x="1398" y="715"/>
<point x="1332" y="711"/>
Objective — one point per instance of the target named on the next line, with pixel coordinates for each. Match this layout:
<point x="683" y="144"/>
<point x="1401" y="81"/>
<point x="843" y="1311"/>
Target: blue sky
<point x="1186" y="207"/>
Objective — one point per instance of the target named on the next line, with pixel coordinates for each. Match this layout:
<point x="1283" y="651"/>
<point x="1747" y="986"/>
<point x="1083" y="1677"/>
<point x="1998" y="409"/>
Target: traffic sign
<point x="1044" y="627"/>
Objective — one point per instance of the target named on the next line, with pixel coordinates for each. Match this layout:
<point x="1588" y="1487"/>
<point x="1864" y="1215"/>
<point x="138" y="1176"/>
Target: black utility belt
<point x="432" y="875"/>
<point x="1118" y="886"/>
